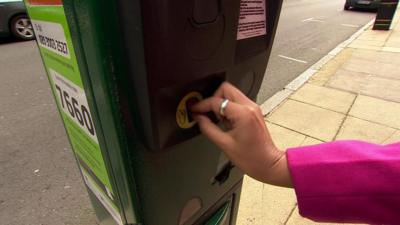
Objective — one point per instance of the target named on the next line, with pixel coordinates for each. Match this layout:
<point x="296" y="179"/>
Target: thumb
<point x="212" y="131"/>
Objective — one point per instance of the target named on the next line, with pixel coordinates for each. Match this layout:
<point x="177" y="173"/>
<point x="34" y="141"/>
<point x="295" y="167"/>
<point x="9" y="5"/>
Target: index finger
<point x="228" y="91"/>
<point x="213" y="104"/>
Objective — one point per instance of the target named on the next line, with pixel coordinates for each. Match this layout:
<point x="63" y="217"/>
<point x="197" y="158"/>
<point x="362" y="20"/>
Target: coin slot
<point x="183" y="114"/>
<point x="189" y="103"/>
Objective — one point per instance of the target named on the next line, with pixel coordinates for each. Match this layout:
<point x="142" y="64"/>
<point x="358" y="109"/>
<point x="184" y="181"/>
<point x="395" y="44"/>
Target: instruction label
<point x="51" y="36"/>
<point x="252" y="19"/>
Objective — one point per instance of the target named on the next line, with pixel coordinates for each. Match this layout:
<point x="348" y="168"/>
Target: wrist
<point x="278" y="174"/>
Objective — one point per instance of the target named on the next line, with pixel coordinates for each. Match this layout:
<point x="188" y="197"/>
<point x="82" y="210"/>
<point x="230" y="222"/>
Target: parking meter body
<point x="123" y="74"/>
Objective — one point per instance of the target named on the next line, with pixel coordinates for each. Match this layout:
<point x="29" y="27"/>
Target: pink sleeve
<point x="347" y="181"/>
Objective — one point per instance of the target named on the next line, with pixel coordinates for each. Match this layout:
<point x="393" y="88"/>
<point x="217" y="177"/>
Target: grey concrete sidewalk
<point x="355" y="95"/>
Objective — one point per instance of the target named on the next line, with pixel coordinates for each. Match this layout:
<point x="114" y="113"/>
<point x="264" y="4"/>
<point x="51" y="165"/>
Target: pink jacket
<point x="347" y="181"/>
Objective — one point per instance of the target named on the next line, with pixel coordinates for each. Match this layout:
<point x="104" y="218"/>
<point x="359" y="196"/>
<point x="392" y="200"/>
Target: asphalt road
<point x="39" y="179"/>
<point x="307" y="31"/>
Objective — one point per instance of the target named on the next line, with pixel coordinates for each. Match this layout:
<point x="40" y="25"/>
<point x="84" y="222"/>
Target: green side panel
<point x="221" y="216"/>
<point x="58" y="55"/>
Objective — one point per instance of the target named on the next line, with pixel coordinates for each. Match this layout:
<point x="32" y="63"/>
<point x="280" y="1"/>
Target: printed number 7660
<point x="76" y="110"/>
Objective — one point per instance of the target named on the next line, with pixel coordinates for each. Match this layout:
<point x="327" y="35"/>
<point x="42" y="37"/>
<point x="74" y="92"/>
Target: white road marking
<point x="314" y="20"/>
<point x="293" y="59"/>
<point x="311" y="19"/>
<point x="349" y="25"/>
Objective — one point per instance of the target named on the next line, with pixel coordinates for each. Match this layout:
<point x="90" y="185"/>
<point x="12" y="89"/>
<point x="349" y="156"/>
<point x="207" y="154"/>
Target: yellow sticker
<point x="183" y="118"/>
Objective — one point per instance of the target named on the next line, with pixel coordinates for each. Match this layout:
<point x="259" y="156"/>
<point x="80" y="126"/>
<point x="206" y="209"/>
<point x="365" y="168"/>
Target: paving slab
<point x="382" y="88"/>
<point x="391" y="49"/>
<point x="320" y="78"/>
<point x="250" y="205"/>
<point x="374" y="35"/>
<point x="366" y="84"/>
<point x="310" y="120"/>
<point x="278" y="203"/>
<point x="348" y="81"/>
<point x="387" y="70"/>
<point x="395" y="138"/>
<point x="397" y="26"/>
<point x="296" y="219"/>
<point x="311" y="141"/>
<point x="377" y="56"/>
<point x="285" y="138"/>
<point x="377" y="110"/>
<point x="395" y="33"/>
<point x="326" y="98"/>
<point x="264" y="204"/>
<point x="372" y="42"/>
<point x="360" y="46"/>
<point x="358" y="129"/>
<point x="394" y="36"/>
<point x="393" y="44"/>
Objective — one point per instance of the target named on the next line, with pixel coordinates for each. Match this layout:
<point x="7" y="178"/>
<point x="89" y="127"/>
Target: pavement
<point x="354" y="93"/>
<point x="307" y="30"/>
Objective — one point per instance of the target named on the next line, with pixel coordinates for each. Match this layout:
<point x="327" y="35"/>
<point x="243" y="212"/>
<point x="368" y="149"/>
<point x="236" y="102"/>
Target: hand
<point x="246" y="140"/>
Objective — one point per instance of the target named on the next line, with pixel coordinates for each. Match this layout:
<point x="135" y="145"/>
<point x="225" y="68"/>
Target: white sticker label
<point x="51" y="36"/>
<point x="73" y="102"/>
<point x="252" y="19"/>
